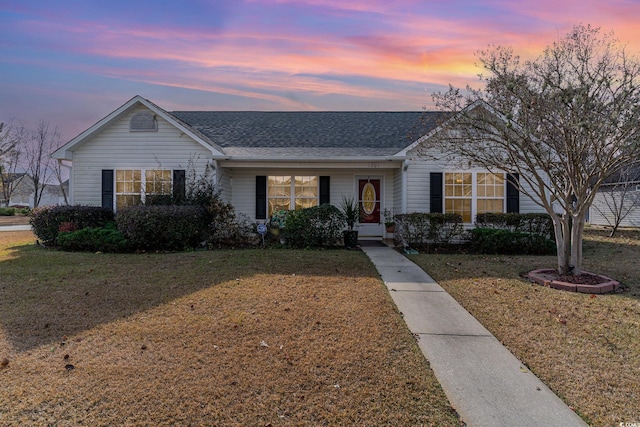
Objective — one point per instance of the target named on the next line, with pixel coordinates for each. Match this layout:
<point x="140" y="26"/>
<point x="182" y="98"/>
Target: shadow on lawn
<point x="46" y="295"/>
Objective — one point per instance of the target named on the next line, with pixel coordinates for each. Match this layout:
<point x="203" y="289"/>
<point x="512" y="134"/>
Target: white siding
<point x="527" y="205"/>
<point x="117" y="148"/>
<point x="600" y="218"/>
<point x="224" y="183"/>
<point x="343" y="183"/>
<point x="397" y="192"/>
<point x="418" y="186"/>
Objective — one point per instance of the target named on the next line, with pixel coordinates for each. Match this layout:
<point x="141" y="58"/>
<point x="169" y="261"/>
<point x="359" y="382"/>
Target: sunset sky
<point x="72" y="62"/>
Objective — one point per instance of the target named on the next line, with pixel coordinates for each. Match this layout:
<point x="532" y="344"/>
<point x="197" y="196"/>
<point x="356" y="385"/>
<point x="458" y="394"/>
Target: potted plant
<point x="276" y="223"/>
<point x="351" y="211"/>
<point x="389" y="221"/>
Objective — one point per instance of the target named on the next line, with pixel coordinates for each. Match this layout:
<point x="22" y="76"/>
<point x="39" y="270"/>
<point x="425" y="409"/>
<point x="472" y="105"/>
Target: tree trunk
<point x="576" y="243"/>
<point x="563" y="242"/>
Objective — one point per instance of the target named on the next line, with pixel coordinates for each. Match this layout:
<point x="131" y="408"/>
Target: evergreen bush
<point x="315" y="227"/>
<point x="160" y="228"/>
<point x="7" y="211"/>
<point x="105" y="239"/>
<point x="533" y="223"/>
<point x="506" y="242"/>
<point x="420" y="229"/>
<point x="47" y="221"/>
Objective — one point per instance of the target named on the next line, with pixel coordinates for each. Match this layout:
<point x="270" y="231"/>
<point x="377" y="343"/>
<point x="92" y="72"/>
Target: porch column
<point x="405" y="186"/>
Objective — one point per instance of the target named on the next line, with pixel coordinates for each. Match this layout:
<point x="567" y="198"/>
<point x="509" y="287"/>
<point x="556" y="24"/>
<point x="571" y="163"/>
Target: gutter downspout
<point x="405" y="186"/>
<point x="214" y="167"/>
<point x="70" y="169"/>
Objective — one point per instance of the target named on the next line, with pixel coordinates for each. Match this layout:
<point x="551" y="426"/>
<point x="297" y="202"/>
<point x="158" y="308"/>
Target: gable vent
<point x="143" y="122"/>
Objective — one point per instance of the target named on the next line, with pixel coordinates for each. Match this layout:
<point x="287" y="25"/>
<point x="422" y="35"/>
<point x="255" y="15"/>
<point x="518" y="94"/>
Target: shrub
<point x="105" y="239"/>
<point x="421" y="229"/>
<point x="318" y="226"/>
<point x="236" y="231"/>
<point x="7" y="211"/>
<point x="47" y="221"/>
<point x="163" y="227"/>
<point x="223" y="227"/>
<point x="534" y="223"/>
<point x="498" y="241"/>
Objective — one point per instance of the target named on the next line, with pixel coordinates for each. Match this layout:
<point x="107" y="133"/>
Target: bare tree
<point x="618" y="197"/>
<point x="57" y="168"/>
<point x="564" y="122"/>
<point x="8" y="138"/>
<point x="37" y="160"/>
<point x="12" y="140"/>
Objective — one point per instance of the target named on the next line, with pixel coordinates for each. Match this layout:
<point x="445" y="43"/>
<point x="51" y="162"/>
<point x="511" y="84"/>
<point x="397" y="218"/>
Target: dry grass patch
<point x="251" y="338"/>
<point x="586" y="348"/>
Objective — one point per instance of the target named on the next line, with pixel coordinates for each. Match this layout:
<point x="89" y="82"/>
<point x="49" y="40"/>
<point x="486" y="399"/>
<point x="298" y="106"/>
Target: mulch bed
<point x="587" y="283"/>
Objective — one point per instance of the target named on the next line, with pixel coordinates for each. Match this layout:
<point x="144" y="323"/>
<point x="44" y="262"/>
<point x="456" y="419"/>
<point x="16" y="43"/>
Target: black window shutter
<point x="436" y="191"/>
<point x="513" y="195"/>
<point x="261" y="197"/>
<point x="107" y="188"/>
<point x="325" y="195"/>
<point x="179" y="186"/>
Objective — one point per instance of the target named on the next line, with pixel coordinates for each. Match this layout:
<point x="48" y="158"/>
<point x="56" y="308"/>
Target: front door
<point x="369" y="196"/>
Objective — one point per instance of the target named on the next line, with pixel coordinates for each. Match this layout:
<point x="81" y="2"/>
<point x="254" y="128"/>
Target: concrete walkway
<point x="15" y="227"/>
<point x="484" y="382"/>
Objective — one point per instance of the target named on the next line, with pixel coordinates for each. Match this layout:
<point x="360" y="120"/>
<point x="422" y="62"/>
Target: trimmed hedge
<point x="7" y="211"/>
<point x="160" y="228"/>
<point x="48" y="220"/>
<point x="534" y="223"/>
<point x="420" y="229"/>
<point x="506" y="242"/>
<point x="106" y="239"/>
<point x="315" y="227"/>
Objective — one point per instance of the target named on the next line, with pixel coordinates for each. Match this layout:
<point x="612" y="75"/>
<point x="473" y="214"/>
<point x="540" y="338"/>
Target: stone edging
<point x="544" y="277"/>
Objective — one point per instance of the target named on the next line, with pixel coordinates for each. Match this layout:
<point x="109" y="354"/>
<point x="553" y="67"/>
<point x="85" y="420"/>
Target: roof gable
<point x="65" y="151"/>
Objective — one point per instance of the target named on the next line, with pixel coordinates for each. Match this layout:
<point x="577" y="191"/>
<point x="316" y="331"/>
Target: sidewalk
<point x="15" y="227"/>
<point x="484" y="382"/>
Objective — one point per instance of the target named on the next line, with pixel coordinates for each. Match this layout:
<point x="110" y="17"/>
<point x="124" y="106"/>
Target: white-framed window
<point x="473" y="193"/>
<point x="133" y="186"/>
<point x="290" y="192"/>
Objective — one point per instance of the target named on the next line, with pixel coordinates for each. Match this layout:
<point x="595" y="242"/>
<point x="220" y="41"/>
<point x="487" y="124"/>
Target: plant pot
<point x="390" y="228"/>
<point x="350" y="238"/>
<point x="275" y="232"/>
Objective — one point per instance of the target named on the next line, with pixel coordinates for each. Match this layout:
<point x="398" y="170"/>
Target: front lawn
<point x="251" y="338"/>
<point x="586" y="348"/>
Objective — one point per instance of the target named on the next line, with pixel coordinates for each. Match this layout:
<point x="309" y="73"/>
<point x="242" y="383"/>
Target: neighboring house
<point x="23" y="194"/>
<point x="265" y="161"/>
<point x="12" y="181"/>
<point x="618" y="196"/>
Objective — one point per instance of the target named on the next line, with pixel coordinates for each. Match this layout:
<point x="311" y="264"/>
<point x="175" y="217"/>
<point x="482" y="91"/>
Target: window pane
<point x="276" y="204"/>
<point x="279" y="186"/>
<point x="490" y="191"/>
<point x="306" y="186"/>
<point x="127" y="200"/>
<point x="306" y="203"/>
<point x="288" y="192"/>
<point x="128" y="186"/>
<point x="158" y="182"/>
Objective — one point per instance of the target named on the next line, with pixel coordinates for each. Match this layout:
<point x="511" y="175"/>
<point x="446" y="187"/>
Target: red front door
<point x="369" y="201"/>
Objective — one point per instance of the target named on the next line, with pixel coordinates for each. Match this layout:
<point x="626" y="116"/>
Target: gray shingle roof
<point x="246" y="133"/>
